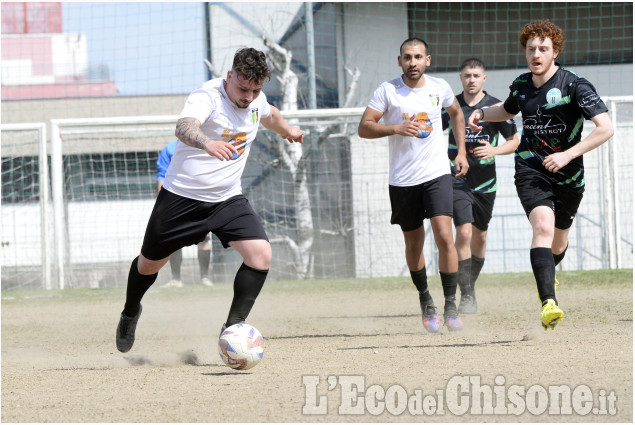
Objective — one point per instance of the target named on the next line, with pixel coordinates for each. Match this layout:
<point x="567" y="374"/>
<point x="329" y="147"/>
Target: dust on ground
<point x="60" y="364"/>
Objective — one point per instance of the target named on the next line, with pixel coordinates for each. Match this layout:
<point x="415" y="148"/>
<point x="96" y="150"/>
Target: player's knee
<point x="479" y="238"/>
<point x="262" y="259"/>
<point x="414" y="246"/>
<point x="149" y="267"/>
<point x="543" y="228"/>
<point x="463" y="234"/>
<point x="267" y="256"/>
<point x="445" y="244"/>
<point x="444" y="237"/>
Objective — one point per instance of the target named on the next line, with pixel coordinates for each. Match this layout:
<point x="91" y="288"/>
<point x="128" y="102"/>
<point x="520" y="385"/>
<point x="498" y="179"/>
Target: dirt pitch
<point x="60" y="364"/>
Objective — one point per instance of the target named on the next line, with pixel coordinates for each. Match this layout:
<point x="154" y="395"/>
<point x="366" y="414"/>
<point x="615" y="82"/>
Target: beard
<point x="544" y="68"/>
<point x="407" y="74"/>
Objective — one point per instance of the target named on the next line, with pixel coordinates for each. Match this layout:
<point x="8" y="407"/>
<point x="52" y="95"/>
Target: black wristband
<point x="482" y="114"/>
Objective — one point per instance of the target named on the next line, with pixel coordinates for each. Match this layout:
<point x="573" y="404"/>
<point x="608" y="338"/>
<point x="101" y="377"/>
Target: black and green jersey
<point x="481" y="176"/>
<point x="553" y="116"/>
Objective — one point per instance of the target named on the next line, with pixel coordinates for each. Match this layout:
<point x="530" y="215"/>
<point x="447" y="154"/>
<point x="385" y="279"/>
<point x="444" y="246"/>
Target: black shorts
<point x="536" y="189"/>
<point x="411" y="205"/>
<point x="472" y="207"/>
<point x="177" y="221"/>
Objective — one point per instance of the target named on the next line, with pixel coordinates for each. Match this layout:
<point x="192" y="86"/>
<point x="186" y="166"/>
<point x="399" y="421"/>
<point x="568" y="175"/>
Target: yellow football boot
<point x="551" y="314"/>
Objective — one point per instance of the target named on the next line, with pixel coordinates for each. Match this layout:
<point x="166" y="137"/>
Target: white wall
<point x="370" y="41"/>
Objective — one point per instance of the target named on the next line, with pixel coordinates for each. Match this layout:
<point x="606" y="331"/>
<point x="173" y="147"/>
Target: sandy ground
<point x="60" y="364"/>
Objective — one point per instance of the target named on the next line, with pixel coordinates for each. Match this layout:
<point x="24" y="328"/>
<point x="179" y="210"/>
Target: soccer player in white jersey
<point x="420" y="183"/>
<point x="202" y="190"/>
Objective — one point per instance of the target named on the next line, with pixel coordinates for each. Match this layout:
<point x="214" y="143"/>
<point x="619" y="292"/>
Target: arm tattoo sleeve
<point x="189" y="133"/>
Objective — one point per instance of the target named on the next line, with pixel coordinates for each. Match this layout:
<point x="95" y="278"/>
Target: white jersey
<point x="195" y="174"/>
<point x="415" y="160"/>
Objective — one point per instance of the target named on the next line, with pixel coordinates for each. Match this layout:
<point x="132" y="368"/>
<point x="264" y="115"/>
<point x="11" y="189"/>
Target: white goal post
<point x="57" y="172"/>
<point x="70" y="126"/>
<point x="611" y="187"/>
<point x="43" y="177"/>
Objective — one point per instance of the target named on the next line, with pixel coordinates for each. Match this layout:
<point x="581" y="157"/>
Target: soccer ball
<point x="241" y="346"/>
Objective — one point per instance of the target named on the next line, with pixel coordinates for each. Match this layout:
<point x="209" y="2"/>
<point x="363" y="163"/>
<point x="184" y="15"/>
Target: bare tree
<point x="294" y="156"/>
<point x="212" y="69"/>
<point x="290" y="155"/>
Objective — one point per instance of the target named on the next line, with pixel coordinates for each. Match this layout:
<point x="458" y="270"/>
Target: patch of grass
<point x="59" y="295"/>
<point x="599" y="278"/>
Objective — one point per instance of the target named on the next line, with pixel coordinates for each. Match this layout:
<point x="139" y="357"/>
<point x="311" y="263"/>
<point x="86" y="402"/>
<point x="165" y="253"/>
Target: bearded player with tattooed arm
<point x="549" y="177"/>
<point x="202" y="191"/>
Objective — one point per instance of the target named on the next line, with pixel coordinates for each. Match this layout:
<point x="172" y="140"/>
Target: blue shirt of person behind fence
<point x="164" y="160"/>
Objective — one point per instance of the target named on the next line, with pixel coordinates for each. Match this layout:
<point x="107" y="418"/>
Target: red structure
<point x="31" y="18"/>
<point x="39" y="60"/>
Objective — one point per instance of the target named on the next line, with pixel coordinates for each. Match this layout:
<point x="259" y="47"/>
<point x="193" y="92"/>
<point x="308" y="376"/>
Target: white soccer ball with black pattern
<point x="241" y="346"/>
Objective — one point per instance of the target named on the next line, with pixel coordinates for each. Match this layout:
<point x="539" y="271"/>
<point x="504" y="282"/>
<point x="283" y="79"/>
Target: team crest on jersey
<point x="254" y="115"/>
<point x="554" y="96"/>
<point x="434" y="99"/>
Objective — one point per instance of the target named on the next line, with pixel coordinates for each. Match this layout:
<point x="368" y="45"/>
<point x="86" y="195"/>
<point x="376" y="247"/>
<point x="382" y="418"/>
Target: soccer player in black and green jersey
<point x="549" y="178"/>
<point x="474" y="194"/>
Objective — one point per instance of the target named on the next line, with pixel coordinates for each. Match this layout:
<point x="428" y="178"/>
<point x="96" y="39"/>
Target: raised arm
<point x="276" y="122"/>
<point x="495" y="113"/>
<point x="188" y="131"/>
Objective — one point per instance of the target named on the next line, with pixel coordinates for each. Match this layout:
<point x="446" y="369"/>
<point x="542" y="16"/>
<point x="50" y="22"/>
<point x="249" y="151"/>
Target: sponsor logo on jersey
<point x="434" y="99"/>
<point x="543" y="125"/>
<point x="590" y="99"/>
<point x="254" y="115"/>
<point x="424" y="123"/>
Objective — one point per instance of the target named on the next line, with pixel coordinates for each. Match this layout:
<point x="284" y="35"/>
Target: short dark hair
<point x="472" y="63"/>
<point x="251" y="64"/>
<point x="414" y="40"/>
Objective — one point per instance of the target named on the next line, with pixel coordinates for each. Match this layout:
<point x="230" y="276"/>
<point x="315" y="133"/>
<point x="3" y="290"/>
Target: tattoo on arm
<point x="189" y="133"/>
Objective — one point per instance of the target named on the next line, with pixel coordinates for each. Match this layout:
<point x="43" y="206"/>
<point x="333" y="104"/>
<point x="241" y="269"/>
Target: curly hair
<point x="543" y="29"/>
<point x="251" y="64"/>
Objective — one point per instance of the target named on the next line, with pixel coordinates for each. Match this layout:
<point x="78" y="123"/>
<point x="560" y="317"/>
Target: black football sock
<point x="176" y="259"/>
<point x="544" y="271"/>
<point x="449" y="283"/>
<point x="477" y="265"/>
<point x="420" y="279"/>
<point x="138" y="284"/>
<point x="203" y="262"/>
<point x="247" y="286"/>
<point x="465" y="267"/>
<point x="557" y="258"/>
